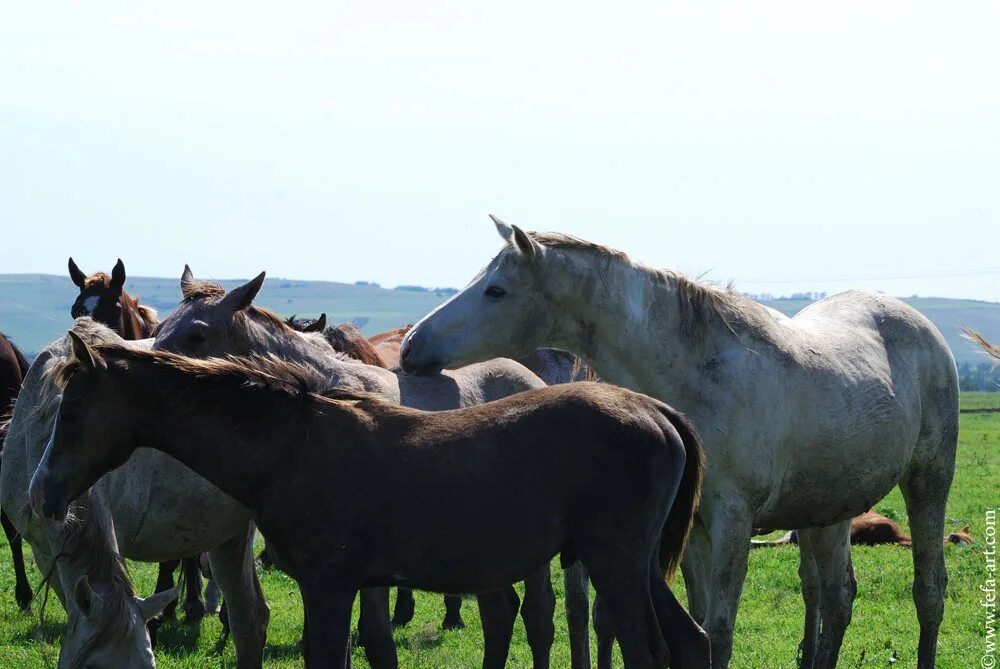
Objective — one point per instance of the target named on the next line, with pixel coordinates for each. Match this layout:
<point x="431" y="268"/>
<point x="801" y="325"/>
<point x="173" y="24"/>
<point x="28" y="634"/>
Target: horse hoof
<point x="402" y="617"/>
<point x="23" y="598"/>
<point x="456" y="624"/>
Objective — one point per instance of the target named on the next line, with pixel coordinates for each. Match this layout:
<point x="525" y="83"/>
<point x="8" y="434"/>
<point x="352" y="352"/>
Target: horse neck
<point x="259" y="336"/>
<point x="626" y="322"/>
<point x="219" y="436"/>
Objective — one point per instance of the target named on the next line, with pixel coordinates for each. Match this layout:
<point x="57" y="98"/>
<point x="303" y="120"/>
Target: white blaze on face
<point x="90" y="304"/>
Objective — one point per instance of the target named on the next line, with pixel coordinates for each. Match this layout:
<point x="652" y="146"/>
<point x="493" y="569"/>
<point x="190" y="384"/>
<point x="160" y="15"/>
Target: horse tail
<point x="675" y="532"/>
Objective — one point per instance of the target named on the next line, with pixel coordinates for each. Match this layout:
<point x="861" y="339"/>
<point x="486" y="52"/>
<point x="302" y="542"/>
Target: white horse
<point x="806" y="421"/>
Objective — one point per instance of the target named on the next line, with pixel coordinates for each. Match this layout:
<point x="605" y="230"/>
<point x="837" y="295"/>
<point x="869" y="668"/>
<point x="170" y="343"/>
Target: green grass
<point x="883" y="632"/>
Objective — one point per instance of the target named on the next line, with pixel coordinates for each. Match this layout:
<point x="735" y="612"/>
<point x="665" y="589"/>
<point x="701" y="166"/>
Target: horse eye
<point x="495" y="292"/>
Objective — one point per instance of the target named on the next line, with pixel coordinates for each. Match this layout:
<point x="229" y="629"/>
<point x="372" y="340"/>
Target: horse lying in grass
<point x="469" y="500"/>
<point x="873" y="529"/>
<point x="103" y="298"/>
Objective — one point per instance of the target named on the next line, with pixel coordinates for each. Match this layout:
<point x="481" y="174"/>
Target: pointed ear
<point x="83" y="596"/>
<point x="83" y="353"/>
<point x="74" y="273"/>
<point x="318" y="326"/>
<point x="118" y="275"/>
<point x="528" y="247"/>
<point x="506" y="232"/>
<point x="153" y="605"/>
<point x="187" y="279"/>
<point x="240" y="298"/>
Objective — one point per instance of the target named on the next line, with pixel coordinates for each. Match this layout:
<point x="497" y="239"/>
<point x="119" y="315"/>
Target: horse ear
<point x="187" y="279"/>
<point x="240" y="298"/>
<point x="83" y="595"/>
<point x="528" y="247"/>
<point x="82" y="352"/>
<point x="78" y="277"/>
<point x="118" y="275"/>
<point x="153" y="605"/>
<point x="318" y="325"/>
<point x="506" y="232"/>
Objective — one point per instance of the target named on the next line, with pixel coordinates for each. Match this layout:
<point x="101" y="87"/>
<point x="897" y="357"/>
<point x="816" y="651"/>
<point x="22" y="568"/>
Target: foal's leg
<point x="22" y="588"/>
<point x="374" y="629"/>
<point x="537" y="611"/>
<point x="405" y="605"/>
<point x="809" y="576"/>
<point x="164" y="582"/>
<point x="577" y="584"/>
<point x="194" y="607"/>
<point x="453" y="613"/>
<point x="328" y="612"/>
<point x="925" y="490"/>
<point x="831" y="549"/>
<point x="626" y="599"/>
<point x="604" y="629"/>
<point x="498" y="611"/>
<point x="233" y="569"/>
<point x="689" y="644"/>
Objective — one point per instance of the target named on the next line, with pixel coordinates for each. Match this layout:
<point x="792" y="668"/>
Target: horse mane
<point x="97" y="280"/>
<point x="699" y="303"/>
<point x="210" y="290"/>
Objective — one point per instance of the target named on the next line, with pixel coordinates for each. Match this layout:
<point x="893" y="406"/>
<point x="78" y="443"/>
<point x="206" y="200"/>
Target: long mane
<point x="699" y="303"/>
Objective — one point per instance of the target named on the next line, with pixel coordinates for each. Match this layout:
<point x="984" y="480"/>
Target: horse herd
<point x="460" y="455"/>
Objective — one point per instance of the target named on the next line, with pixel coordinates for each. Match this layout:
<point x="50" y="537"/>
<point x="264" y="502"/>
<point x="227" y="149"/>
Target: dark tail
<point x="673" y="539"/>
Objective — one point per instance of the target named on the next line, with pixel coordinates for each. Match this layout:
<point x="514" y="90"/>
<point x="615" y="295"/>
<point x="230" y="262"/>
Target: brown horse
<point x="345" y="338"/>
<point x="104" y="299"/>
<point x="589" y="471"/>
<point x="387" y="344"/>
<point x="13" y="367"/>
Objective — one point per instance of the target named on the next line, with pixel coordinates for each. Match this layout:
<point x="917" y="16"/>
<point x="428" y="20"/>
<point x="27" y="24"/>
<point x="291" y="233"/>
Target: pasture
<point x="883" y="632"/>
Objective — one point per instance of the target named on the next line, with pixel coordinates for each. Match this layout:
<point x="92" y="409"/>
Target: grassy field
<point x="883" y="632"/>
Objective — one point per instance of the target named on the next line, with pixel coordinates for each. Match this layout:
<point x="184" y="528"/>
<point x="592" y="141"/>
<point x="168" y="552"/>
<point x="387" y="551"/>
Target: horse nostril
<point x="404" y="350"/>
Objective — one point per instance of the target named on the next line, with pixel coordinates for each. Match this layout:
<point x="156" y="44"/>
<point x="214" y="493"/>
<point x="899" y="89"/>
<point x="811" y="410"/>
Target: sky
<point x="786" y="146"/>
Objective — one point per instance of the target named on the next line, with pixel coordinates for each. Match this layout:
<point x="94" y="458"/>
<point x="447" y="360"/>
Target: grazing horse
<point x="13" y="368"/>
<point x="424" y="499"/>
<point x="211" y="322"/>
<point x="807" y="421"/>
<point x="103" y="298"/>
<point x="871" y="528"/>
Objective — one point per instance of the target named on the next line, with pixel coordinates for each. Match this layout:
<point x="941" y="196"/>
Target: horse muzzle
<point x="48" y="499"/>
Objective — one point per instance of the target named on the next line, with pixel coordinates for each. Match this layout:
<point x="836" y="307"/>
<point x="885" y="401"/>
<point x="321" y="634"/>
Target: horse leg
<point x="729" y="528"/>
<point x="537" y="611"/>
<point x="628" y="605"/>
<point x="830" y="547"/>
<point x="403" y="611"/>
<point x="233" y="569"/>
<point x="498" y="611"/>
<point x="165" y="581"/>
<point x="604" y="629"/>
<point x="696" y="576"/>
<point x="809" y="576"/>
<point x="688" y="643"/>
<point x="925" y="491"/>
<point x="577" y="584"/>
<point x="22" y="588"/>
<point x="453" y="613"/>
<point x="374" y="629"/>
<point x="194" y="608"/>
<point x="328" y="608"/>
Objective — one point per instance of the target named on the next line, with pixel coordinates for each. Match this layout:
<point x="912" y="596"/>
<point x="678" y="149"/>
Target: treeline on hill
<point x="982" y="376"/>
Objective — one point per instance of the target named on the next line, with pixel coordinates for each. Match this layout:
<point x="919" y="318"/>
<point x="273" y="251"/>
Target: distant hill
<point x="34" y="308"/>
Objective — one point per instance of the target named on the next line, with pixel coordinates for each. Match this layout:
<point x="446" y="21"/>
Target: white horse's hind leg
<point x="809" y="575"/>
<point x="233" y="569"/>
<point x="830" y="548"/>
<point x="925" y="490"/>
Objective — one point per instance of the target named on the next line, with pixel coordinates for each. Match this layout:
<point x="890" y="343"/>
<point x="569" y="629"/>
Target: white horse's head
<point x="504" y="311"/>
<point x="107" y="627"/>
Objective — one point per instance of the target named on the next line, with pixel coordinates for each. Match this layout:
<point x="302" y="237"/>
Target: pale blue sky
<point x="786" y="145"/>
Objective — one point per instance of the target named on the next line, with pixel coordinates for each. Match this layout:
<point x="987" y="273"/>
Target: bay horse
<point x="345" y="338"/>
<point x="871" y="528"/>
<point x="13" y="368"/>
<point x="211" y="322"/>
<point x="807" y="421"/>
<point x="468" y="500"/>
<point x="103" y="298"/>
